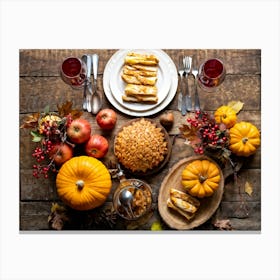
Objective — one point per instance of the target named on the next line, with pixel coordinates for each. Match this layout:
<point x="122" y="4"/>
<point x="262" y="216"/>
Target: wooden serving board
<point x="208" y="205"/>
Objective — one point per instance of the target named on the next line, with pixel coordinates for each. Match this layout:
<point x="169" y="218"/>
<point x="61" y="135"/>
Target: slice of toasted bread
<point x="140" y="90"/>
<point x="184" y="196"/>
<point x="187" y="215"/>
<point x="140" y="99"/>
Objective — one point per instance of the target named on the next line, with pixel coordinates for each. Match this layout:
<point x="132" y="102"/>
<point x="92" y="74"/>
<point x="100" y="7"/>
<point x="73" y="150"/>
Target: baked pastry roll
<point x="142" y="99"/>
<point x="139" y="80"/>
<point x="183" y="203"/>
<point x="133" y="71"/>
<point x="140" y="90"/>
<point x="187" y="215"/>
<point x="145" y="59"/>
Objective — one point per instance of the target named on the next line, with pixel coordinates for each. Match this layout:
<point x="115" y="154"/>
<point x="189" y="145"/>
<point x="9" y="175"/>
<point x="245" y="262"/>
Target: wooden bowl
<point x="208" y="205"/>
<point x="166" y="158"/>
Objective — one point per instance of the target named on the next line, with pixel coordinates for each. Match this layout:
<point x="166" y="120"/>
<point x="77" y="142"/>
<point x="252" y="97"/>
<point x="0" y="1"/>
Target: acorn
<point x="167" y="119"/>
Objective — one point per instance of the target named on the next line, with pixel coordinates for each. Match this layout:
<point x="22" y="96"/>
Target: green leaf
<point x="47" y="109"/>
<point x="37" y="137"/>
<point x="156" y="226"/>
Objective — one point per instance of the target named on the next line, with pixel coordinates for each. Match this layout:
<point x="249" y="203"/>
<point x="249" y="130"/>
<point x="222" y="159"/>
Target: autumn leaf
<point x="76" y="114"/>
<point x="31" y="121"/>
<point x="222" y="224"/>
<point x="236" y="106"/>
<point x="66" y="109"/>
<point x="248" y="188"/>
<point x="58" y="217"/>
<point x="190" y="133"/>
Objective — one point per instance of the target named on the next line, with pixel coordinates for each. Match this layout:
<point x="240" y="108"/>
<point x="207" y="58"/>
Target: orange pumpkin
<point x="83" y="183"/>
<point x="201" y="178"/>
<point x="244" y="139"/>
<point x="226" y="115"/>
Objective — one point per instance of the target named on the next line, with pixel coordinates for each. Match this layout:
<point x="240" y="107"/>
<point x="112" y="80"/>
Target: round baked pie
<point x="141" y="146"/>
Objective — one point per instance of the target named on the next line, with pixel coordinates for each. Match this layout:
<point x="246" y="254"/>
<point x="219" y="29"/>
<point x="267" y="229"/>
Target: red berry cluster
<point x="211" y="134"/>
<point x="40" y="170"/>
<point x="40" y="154"/>
<point x="49" y="129"/>
<point x="52" y="132"/>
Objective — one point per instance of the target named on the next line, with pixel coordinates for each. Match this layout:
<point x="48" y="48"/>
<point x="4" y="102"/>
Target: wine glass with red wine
<point x="73" y="72"/>
<point x="211" y="74"/>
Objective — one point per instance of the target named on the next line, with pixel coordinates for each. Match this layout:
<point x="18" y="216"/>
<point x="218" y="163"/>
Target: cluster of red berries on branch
<point x="210" y="135"/>
<point x="51" y="130"/>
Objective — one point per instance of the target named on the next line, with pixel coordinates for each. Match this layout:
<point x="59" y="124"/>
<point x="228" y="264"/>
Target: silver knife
<point x="89" y="87"/>
<point x="179" y="106"/>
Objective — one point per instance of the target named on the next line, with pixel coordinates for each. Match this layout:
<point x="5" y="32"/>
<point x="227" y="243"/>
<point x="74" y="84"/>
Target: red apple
<point x="97" y="146"/>
<point x="79" y="131"/>
<point x="60" y="153"/>
<point x="106" y="119"/>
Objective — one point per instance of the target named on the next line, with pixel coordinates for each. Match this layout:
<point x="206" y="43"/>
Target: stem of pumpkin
<point x="201" y="178"/>
<point x="80" y="184"/>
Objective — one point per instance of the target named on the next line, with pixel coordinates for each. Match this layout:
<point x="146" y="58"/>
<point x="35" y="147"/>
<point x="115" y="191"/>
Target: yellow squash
<point x="244" y="139"/>
<point x="226" y="115"/>
<point x="83" y="183"/>
<point x="201" y="178"/>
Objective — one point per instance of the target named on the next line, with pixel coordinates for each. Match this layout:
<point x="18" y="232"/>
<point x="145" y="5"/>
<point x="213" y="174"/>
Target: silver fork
<point x="181" y="100"/>
<point x="188" y="66"/>
<point x="196" y="97"/>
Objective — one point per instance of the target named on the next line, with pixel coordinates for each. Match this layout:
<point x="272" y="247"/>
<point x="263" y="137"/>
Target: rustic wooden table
<point x="41" y="85"/>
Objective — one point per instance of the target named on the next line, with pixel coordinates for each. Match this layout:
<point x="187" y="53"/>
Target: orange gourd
<point x="201" y="178"/>
<point x="244" y="139"/>
<point x="225" y="115"/>
<point x="83" y="183"/>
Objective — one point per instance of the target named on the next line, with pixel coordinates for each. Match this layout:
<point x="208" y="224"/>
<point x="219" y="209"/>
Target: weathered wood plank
<point x="34" y="216"/>
<point x="36" y="93"/>
<point x="242" y="216"/>
<point x="235" y="191"/>
<point x="46" y="62"/>
<point x="36" y="189"/>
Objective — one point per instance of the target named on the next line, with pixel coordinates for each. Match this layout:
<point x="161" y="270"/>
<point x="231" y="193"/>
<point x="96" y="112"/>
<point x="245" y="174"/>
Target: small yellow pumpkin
<point x="244" y="139"/>
<point x="83" y="183"/>
<point x="201" y="178"/>
<point x="226" y="115"/>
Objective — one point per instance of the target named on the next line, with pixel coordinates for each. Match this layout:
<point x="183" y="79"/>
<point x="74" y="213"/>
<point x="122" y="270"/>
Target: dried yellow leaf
<point x="236" y="106"/>
<point x="248" y="188"/>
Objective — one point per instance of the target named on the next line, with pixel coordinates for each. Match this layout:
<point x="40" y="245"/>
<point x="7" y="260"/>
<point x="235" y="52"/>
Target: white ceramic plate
<point x="172" y="74"/>
<point x="117" y="84"/>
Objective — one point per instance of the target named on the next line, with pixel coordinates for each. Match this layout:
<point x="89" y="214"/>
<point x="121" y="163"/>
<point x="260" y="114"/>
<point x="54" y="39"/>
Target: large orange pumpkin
<point x="244" y="139"/>
<point x="201" y="178"/>
<point x="83" y="183"/>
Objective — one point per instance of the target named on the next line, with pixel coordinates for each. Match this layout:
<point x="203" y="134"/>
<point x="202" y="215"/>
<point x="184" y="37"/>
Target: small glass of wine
<point x="211" y="74"/>
<point x="73" y="72"/>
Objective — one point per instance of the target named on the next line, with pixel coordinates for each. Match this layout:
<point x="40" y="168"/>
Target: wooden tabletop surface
<point x="41" y="85"/>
